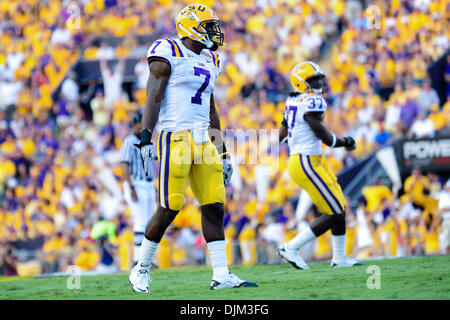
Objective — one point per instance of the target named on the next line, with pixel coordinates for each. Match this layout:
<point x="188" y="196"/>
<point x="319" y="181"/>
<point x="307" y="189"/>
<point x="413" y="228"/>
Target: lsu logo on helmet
<point x="198" y="22"/>
<point x="308" y="77"/>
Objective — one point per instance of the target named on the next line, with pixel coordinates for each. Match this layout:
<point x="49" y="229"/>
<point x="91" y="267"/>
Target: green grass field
<point x="405" y="278"/>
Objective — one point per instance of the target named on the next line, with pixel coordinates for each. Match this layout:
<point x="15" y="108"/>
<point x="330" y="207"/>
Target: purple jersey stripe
<point x="324" y="184"/>
<point x="173" y="47"/>
<point x="310" y="179"/>
<point x="160" y="168"/>
<point x="179" y="49"/>
<point x="214" y="57"/>
<point x="166" y="171"/>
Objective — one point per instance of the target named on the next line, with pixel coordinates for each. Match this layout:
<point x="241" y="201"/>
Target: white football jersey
<point x="301" y="138"/>
<point x="186" y="100"/>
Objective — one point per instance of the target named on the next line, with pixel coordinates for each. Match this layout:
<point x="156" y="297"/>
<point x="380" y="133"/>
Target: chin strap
<point x="318" y="91"/>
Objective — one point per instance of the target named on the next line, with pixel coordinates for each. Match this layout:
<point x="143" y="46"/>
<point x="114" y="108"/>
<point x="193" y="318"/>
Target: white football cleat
<point x="347" y="262"/>
<point x="139" y="278"/>
<point x="231" y="281"/>
<point x="293" y="257"/>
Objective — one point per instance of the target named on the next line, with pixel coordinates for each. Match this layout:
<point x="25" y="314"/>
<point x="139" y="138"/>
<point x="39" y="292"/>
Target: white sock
<point x="148" y="249"/>
<point x="338" y="245"/>
<point x="218" y="254"/>
<point x="301" y="239"/>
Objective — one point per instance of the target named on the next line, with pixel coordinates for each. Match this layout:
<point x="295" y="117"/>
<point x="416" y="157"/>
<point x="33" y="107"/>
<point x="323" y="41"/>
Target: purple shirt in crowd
<point x="409" y="112"/>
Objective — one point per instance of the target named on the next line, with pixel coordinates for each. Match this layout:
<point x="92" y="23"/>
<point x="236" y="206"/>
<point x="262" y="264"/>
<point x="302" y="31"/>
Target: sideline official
<point x="139" y="189"/>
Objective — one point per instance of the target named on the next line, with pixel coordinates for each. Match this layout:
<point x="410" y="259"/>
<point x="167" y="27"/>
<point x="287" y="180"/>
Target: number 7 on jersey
<point x="197" y="99"/>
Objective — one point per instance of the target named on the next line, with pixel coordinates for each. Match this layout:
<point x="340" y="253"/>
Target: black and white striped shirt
<point x="132" y="155"/>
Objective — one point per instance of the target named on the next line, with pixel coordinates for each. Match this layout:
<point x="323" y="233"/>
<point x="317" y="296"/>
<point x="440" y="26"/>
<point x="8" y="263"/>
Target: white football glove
<point x="227" y="171"/>
<point x="148" y="153"/>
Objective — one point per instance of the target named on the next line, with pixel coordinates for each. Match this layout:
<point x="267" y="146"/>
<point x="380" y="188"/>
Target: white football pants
<point x="141" y="210"/>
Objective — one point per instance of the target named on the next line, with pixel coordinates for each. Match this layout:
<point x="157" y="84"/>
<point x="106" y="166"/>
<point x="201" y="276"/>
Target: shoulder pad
<point x="166" y="48"/>
<point x="313" y="102"/>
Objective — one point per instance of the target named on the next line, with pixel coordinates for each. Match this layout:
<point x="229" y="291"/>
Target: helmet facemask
<point x="317" y="83"/>
<point x="210" y="29"/>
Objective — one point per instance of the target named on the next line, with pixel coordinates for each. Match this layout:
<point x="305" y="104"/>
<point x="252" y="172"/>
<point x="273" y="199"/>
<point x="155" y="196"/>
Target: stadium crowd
<point x="59" y="170"/>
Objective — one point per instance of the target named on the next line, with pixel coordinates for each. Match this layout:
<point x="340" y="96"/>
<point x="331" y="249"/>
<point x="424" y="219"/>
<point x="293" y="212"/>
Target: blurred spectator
<point x="10" y="261"/>
<point x="364" y="233"/>
<point x="386" y="74"/>
<point x="247" y="64"/>
<point x="447" y="74"/>
<point x="112" y="81"/>
<point x="86" y="258"/>
<point x="101" y="114"/>
<point x="417" y="189"/>
<point x="382" y="138"/>
<point x="311" y="41"/>
<point x="248" y="88"/>
<point x="437" y="117"/>
<point x="52" y="250"/>
<point x="70" y="89"/>
<point x="105" y="52"/>
<point x="409" y="111"/>
<point x="107" y="252"/>
<point x="360" y="21"/>
<point x="87" y="96"/>
<point x="392" y="117"/>
<point x="422" y="127"/>
<point x="142" y="73"/>
<point x="349" y="159"/>
<point x="444" y="212"/>
<point x="61" y="35"/>
<point x="428" y="96"/>
<point x="14" y="59"/>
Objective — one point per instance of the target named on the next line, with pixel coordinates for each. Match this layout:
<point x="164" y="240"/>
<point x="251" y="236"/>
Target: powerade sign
<point x="427" y="154"/>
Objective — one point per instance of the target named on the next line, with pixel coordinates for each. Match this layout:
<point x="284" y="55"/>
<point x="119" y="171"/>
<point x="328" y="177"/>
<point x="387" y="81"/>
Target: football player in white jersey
<point x="305" y="131"/>
<point x="180" y="95"/>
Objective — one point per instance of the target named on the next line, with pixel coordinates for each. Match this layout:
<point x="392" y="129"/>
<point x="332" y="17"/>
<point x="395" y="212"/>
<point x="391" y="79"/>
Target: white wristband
<point x="334" y="140"/>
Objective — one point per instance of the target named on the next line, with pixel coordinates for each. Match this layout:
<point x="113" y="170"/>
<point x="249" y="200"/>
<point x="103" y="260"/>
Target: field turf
<point x="402" y="278"/>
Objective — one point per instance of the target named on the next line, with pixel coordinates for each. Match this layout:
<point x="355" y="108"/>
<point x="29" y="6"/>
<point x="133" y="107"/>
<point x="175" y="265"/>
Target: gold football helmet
<point x="201" y="24"/>
<point x="307" y="77"/>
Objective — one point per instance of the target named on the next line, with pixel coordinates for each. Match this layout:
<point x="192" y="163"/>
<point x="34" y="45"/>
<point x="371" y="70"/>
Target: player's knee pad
<point x="177" y="181"/>
<point x="176" y="201"/>
<point x="218" y="194"/>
